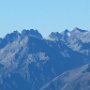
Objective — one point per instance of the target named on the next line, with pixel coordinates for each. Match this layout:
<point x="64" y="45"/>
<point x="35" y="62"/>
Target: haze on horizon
<point x="46" y="16"/>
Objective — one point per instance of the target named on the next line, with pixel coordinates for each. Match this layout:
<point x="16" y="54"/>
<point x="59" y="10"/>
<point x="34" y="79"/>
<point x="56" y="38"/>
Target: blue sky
<point x="44" y="15"/>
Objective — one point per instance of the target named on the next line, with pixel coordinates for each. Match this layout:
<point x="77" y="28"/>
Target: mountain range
<point x="59" y="62"/>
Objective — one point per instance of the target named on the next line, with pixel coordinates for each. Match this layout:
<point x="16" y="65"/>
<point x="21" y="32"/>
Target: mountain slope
<point x="77" y="79"/>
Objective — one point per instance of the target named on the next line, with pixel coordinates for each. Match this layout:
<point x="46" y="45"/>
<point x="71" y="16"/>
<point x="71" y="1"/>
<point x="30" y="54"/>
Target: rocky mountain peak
<point x="55" y="35"/>
<point x="78" y="30"/>
<point x="31" y="33"/>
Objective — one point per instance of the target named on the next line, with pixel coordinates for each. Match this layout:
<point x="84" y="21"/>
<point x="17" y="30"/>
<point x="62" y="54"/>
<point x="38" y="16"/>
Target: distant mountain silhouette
<point x="28" y="61"/>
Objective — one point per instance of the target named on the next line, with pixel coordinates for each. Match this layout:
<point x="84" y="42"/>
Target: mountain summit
<point x="78" y="30"/>
<point x="32" y="33"/>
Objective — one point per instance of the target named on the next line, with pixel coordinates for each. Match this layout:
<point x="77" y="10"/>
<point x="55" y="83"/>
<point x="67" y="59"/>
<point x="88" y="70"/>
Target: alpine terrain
<point x="28" y="61"/>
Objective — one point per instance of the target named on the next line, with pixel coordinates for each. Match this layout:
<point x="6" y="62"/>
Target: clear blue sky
<point x="44" y="15"/>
